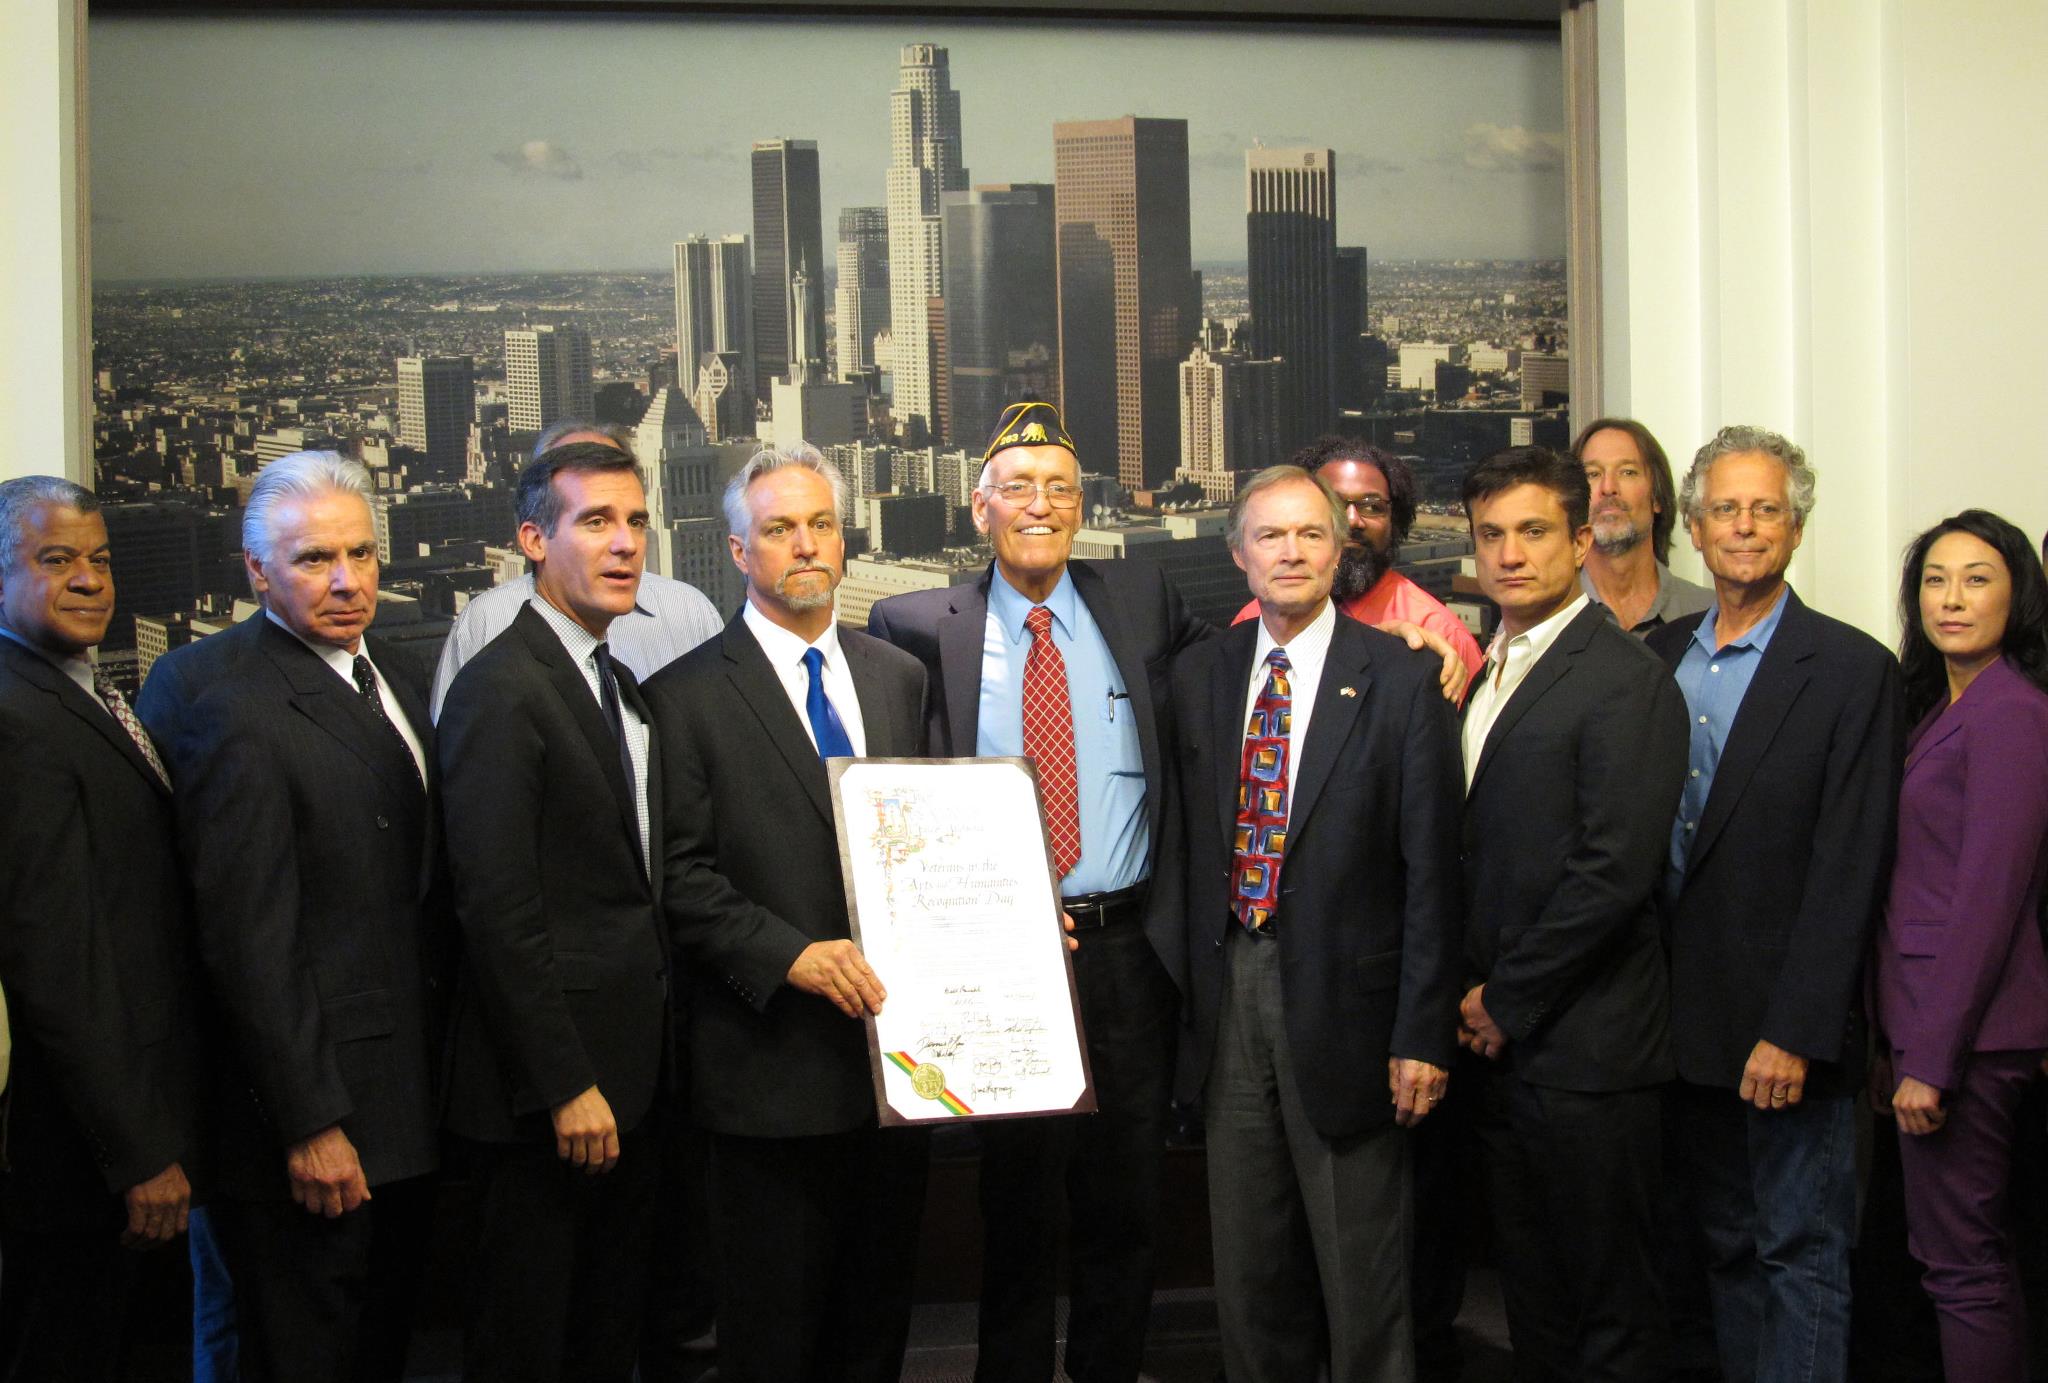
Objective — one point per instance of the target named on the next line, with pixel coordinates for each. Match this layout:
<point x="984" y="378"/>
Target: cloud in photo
<point x="1509" y="148"/>
<point x="541" y="158"/>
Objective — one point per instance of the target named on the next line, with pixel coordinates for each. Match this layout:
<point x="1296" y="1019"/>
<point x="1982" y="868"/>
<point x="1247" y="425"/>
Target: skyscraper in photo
<point x="547" y="376"/>
<point x="1001" y="302"/>
<point x="1350" y="303"/>
<point x="924" y="162"/>
<point x="436" y="405"/>
<point x="715" y="316"/>
<point x="1291" y="272"/>
<point x="789" y="240"/>
<point x="1128" y="295"/>
<point x="861" y="299"/>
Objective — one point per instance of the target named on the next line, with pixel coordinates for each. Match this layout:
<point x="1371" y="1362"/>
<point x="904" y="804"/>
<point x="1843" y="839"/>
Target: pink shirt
<point x="1395" y="597"/>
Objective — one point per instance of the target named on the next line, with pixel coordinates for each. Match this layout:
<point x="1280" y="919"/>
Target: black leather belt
<point x="1091" y="910"/>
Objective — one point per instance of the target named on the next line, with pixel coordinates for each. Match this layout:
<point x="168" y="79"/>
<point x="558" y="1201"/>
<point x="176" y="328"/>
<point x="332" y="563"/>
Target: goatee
<point x="1359" y="569"/>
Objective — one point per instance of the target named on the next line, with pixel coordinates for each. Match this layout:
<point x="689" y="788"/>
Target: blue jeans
<point x="214" y="1340"/>
<point x="1775" y="1197"/>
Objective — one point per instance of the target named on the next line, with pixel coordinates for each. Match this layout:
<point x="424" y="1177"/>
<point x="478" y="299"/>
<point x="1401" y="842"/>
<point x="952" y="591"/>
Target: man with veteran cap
<point x="1065" y="661"/>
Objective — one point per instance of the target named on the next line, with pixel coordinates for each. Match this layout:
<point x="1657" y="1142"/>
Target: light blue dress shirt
<point x="1109" y="767"/>
<point x="1714" y="680"/>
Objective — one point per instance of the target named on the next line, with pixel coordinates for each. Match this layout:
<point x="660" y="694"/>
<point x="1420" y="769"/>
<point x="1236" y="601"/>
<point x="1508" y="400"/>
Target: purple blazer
<point x="1959" y="965"/>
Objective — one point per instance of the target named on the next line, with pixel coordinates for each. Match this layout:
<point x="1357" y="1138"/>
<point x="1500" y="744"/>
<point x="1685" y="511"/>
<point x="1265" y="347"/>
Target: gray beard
<point x="1617" y="541"/>
<point x="1359" y="569"/>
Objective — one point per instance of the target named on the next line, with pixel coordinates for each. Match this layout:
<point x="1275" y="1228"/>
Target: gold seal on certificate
<point x="950" y="887"/>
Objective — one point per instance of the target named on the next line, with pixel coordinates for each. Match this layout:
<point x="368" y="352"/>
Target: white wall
<point x="1819" y="216"/>
<point x="42" y="354"/>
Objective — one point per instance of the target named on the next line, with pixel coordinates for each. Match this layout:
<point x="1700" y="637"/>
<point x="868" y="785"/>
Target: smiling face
<point x="589" y="567"/>
<point x="59" y="593"/>
<point x="1527" y="553"/>
<point x="1965" y="598"/>
<point x="320" y="576"/>
<point x="1743" y="548"/>
<point x="1624" y="501"/>
<point x="1288" y="551"/>
<point x="1032" y="536"/>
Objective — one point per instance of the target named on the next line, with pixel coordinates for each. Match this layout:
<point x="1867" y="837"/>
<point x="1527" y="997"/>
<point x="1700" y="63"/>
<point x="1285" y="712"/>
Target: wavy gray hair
<point x="302" y="475"/>
<point x="738" y="521"/>
<point x="1731" y="441"/>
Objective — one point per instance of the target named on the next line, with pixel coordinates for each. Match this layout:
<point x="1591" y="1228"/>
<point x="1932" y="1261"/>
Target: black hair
<point x="1532" y="466"/>
<point x="540" y="503"/>
<point x="2025" y="645"/>
<point x="1400" y="476"/>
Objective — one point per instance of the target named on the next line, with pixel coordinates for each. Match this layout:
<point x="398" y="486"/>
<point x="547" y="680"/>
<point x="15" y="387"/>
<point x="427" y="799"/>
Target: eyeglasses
<point x="1764" y="513"/>
<point x="1058" y="493"/>
<point x="1372" y="506"/>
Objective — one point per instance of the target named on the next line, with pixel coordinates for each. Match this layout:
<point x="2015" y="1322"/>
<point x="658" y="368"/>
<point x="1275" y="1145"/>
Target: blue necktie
<point x="825" y="726"/>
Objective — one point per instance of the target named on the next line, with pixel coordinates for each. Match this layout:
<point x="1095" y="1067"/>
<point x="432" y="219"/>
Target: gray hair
<point x="22" y="496"/>
<point x="618" y="434"/>
<point x="1282" y="475"/>
<point x="738" y="520"/>
<point x="302" y="475"/>
<point x="1734" y="441"/>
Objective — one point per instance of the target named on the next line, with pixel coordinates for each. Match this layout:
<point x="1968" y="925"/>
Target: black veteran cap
<point x="1030" y="424"/>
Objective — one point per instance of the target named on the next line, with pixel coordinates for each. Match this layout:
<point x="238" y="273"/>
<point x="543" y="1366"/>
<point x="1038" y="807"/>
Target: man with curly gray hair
<point x="1772" y="883"/>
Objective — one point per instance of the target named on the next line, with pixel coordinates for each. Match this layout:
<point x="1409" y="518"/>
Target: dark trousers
<point x="1447" y="1185"/>
<point x="682" y="1286"/>
<point x="1311" y="1233"/>
<point x="320" y="1300"/>
<point x="1774" y="1193"/>
<point x="76" y="1307"/>
<point x="559" y="1274"/>
<point x="817" y="1242"/>
<point x="1959" y="1220"/>
<point x="1104" y="1168"/>
<point x="1572" y="1178"/>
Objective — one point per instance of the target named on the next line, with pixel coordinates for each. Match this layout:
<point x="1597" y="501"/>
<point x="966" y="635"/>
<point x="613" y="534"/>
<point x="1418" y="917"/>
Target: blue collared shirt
<point x="1714" y="680"/>
<point x="1109" y="767"/>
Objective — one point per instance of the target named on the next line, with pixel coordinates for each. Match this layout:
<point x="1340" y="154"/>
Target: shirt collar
<point x="579" y="641"/>
<point x="1012" y="606"/>
<point x="1311" y="643"/>
<point x="1658" y="602"/>
<point x="785" y="649"/>
<point x="1758" y="636"/>
<point x="340" y="659"/>
<point x="77" y="668"/>
<point x="639" y="605"/>
<point x="1538" y="637"/>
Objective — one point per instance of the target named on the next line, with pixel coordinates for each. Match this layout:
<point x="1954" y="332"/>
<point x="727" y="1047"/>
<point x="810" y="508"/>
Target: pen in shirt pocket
<point x="1109" y="704"/>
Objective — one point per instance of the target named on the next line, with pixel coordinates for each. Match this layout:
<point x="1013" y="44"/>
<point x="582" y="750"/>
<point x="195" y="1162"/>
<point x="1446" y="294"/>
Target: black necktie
<point x="608" y="683"/>
<point x="366" y="683"/>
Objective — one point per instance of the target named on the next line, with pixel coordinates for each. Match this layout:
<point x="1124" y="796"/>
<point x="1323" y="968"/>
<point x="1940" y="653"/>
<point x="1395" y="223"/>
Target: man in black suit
<point x="307" y="822"/>
<point x="1775" y="869"/>
<point x="102" y="1104"/>
<point x="1573" y="745"/>
<point x="815" y="1209"/>
<point x="1113" y="628"/>
<point x="1318" y="877"/>
<point x="552" y="787"/>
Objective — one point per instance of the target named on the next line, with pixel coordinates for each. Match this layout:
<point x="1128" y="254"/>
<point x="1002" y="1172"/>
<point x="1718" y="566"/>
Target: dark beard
<point x="1359" y="569"/>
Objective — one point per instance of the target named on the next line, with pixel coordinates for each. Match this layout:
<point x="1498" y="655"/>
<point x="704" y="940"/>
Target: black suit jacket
<point x="564" y="970"/>
<point x="321" y="914"/>
<point x="1145" y="623"/>
<point x="95" y="956"/>
<point x="1789" y="865"/>
<point x="1567" y="823"/>
<point x="1368" y="913"/>
<point x="753" y="878"/>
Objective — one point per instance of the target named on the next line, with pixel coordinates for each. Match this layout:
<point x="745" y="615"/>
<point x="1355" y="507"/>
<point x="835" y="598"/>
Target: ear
<point x="258" y="582"/>
<point x="977" y="505"/>
<point x="533" y="542"/>
<point x="1582" y="543"/>
<point x="738" y="550"/>
<point x="1238" y="557"/>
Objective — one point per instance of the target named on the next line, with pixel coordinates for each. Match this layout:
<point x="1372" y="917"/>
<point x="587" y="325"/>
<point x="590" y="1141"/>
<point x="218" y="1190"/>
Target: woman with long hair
<point x="1960" y="975"/>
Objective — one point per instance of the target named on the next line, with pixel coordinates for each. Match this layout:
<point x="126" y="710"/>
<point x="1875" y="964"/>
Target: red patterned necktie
<point x="124" y="716"/>
<point x="1261" y="836"/>
<point x="1049" y="738"/>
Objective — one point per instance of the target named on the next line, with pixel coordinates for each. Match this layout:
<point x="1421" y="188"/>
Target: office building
<point x="924" y="163"/>
<point x="789" y="255"/>
<point x="1291" y="274"/>
<point x="1234" y="416"/>
<point x="1546" y="379"/>
<point x="861" y="299"/>
<point x="413" y="524"/>
<point x="1001" y="302"/>
<point x="436" y="405"/>
<point x="715" y="316"/>
<point x="547" y="376"/>
<point x="1128" y="295"/>
<point x="1350" y="304"/>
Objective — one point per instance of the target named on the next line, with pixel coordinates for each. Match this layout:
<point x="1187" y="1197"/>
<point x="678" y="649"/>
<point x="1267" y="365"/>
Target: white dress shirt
<point x="1306" y="654"/>
<point x="1508" y="661"/>
<point x="786" y="655"/>
<point x="581" y="647"/>
<point x="344" y="664"/>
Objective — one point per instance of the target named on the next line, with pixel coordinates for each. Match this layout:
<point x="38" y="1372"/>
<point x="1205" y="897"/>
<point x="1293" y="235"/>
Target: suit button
<point x="1219" y="945"/>
<point x="382" y="824"/>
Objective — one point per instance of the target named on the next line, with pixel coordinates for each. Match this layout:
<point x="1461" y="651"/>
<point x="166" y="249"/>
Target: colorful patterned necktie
<point x="124" y="716"/>
<point x="1049" y="739"/>
<point x="1261" y="836"/>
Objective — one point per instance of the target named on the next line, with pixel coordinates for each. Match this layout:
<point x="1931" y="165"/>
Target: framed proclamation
<point x="951" y="893"/>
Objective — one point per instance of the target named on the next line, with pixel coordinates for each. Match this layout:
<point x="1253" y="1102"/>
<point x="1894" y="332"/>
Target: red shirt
<point x="1395" y="597"/>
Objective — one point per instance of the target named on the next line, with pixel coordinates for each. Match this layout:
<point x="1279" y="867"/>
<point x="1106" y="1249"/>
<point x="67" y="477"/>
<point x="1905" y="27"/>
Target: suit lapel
<point x="878" y="715"/>
<point x="961" y="634"/>
<point x="336" y="707"/>
<point x="1950" y="720"/>
<point x="762" y="693"/>
<point x="1232" y="678"/>
<point x="567" y="680"/>
<point x="1780" y="676"/>
<point x="1550" y="668"/>
<point x="40" y="672"/>
<point x="1348" y="667"/>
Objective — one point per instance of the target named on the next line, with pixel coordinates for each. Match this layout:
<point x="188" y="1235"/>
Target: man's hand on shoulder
<point x="158" y="1209"/>
<point x="586" y="1134"/>
<point x="836" y="970"/>
<point x="326" y="1176"/>
<point x="1454" y="674"/>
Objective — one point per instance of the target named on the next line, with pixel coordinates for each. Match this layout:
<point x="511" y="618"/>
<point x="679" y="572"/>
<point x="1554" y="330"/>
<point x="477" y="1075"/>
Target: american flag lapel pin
<point x="1347" y="691"/>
